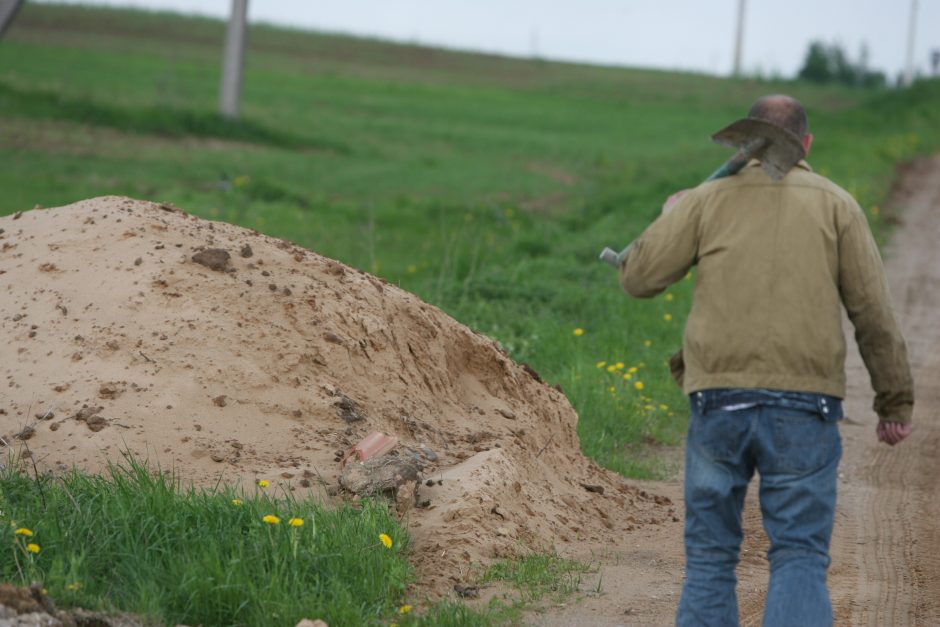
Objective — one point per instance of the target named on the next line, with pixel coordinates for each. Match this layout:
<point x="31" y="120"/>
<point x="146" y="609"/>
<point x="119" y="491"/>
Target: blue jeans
<point x="792" y="439"/>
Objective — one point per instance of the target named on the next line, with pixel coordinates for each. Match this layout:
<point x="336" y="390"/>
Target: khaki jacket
<point x="776" y="262"/>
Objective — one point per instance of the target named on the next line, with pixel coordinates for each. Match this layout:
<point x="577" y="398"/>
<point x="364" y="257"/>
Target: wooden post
<point x="739" y="39"/>
<point x="911" y="31"/>
<point x="233" y="61"/>
<point x="8" y="9"/>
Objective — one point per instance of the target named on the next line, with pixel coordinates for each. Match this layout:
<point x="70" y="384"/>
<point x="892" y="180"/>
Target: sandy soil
<point x="222" y="354"/>
<point x="886" y="544"/>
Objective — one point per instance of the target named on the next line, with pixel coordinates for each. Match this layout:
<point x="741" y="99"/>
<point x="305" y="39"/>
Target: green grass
<point x="485" y="185"/>
<point x="136" y="541"/>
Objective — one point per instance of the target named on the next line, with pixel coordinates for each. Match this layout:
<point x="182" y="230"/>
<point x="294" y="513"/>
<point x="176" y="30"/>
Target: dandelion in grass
<point x="627" y="376"/>
<point x="638" y="385"/>
<point x="667" y="317"/>
<point x="619" y="365"/>
<point x="23" y="531"/>
<point x="648" y="407"/>
<point x="663" y="406"/>
<point x="632" y="370"/>
<point x="601" y="364"/>
<point x="669" y="296"/>
<point x="263" y="483"/>
<point x="412" y="268"/>
<point x="642" y="364"/>
<point x="271" y="519"/>
<point x="404" y="609"/>
<point x="236" y="502"/>
<point x="578" y="332"/>
<point x="74" y="586"/>
<point x="612" y="368"/>
<point x="386" y="540"/>
<point x="296" y="522"/>
<point x="647" y="343"/>
<point x="32" y="548"/>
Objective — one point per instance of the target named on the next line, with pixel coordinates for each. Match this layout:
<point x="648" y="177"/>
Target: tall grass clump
<point x="137" y="541"/>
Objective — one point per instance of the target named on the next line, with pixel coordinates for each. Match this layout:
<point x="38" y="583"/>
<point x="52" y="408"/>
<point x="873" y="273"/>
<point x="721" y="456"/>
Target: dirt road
<point x="886" y="545"/>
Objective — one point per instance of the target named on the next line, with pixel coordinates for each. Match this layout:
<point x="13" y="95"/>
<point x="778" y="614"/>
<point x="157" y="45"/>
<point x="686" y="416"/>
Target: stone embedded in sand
<point x="348" y="409"/>
<point x="213" y="258"/>
<point x="380" y="476"/>
<point x="246" y="251"/>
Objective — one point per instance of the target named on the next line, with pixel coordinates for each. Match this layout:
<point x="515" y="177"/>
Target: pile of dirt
<point x="222" y="353"/>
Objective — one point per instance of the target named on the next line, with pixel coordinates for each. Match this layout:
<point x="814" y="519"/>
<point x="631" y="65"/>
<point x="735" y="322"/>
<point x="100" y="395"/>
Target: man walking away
<point x="763" y="362"/>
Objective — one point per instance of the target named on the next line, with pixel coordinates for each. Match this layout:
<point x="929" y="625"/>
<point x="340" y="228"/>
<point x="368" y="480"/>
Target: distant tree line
<point x="828" y="63"/>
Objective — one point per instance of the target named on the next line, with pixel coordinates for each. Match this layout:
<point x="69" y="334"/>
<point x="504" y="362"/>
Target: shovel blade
<point x="780" y="151"/>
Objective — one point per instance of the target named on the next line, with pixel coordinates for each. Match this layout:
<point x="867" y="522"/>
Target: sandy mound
<point x="269" y="361"/>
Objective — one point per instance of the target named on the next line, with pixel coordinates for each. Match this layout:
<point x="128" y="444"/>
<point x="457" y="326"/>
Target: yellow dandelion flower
<point x="631" y="369"/>
<point x="236" y="502"/>
<point x="578" y="332"/>
<point x="74" y="586"/>
<point x="271" y="519"/>
<point x="612" y="390"/>
<point x="601" y="364"/>
<point x="412" y="268"/>
<point x="667" y="317"/>
<point x="669" y="296"/>
<point x="32" y="548"/>
<point x="638" y="385"/>
<point x="296" y="522"/>
<point x="627" y="376"/>
<point x="612" y="368"/>
<point x="648" y="407"/>
<point x="647" y="343"/>
<point x="386" y="540"/>
<point x="642" y="364"/>
<point x="23" y="531"/>
<point x="404" y="609"/>
<point x="663" y="406"/>
<point x="263" y="483"/>
<point x="619" y="365"/>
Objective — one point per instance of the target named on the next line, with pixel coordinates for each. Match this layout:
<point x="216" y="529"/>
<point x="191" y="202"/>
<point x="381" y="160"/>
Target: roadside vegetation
<point x="485" y="185"/>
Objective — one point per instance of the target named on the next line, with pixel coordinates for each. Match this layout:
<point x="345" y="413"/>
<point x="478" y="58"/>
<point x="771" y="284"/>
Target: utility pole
<point x="8" y="9"/>
<point x="739" y="39"/>
<point x="233" y="61"/>
<point x="911" y="31"/>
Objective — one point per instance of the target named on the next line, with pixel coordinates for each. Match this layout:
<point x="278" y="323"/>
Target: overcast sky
<point x="671" y="34"/>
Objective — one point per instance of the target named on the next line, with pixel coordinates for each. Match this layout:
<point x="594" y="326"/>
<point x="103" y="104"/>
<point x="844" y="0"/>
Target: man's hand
<point x="667" y="206"/>
<point x="893" y="432"/>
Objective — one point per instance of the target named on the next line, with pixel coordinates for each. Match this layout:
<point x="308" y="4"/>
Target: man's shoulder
<point x="801" y="177"/>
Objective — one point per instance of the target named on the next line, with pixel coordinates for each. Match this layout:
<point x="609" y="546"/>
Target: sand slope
<point x="271" y="363"/>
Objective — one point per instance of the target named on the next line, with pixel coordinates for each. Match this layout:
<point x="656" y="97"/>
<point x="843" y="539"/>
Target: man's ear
<point x="807" y="142"/>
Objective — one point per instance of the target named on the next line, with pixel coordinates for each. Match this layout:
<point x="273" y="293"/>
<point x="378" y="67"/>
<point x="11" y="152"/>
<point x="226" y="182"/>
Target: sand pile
<point x="126" y="326"/>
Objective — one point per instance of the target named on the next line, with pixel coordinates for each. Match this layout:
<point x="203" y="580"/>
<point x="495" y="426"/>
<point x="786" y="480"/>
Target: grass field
<point x="485" y="185"/>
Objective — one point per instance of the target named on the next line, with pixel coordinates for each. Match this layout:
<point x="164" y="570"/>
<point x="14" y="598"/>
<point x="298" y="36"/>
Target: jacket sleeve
<point x="665" y="252"/>
<point x="865" y="294"/>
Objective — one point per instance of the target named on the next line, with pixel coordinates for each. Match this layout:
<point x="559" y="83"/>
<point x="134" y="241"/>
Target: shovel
<point x="777" y="148"/>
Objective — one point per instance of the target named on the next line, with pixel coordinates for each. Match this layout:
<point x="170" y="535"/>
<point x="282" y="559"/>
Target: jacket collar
<point x="799" y="164"/>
